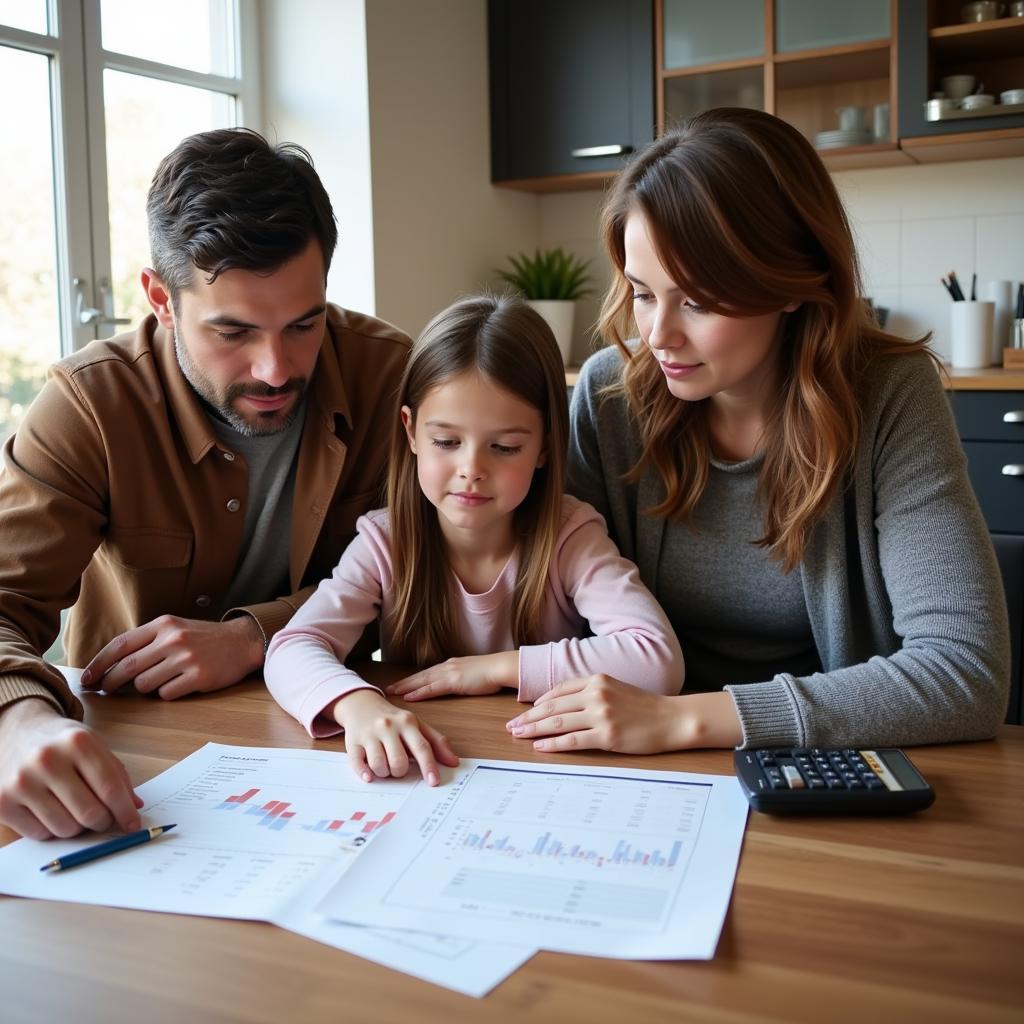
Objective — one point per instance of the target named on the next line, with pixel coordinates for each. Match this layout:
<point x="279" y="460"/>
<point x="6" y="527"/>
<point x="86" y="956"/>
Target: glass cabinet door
<point x="810" y="24"/>
<point x="710" y="31"/>
<point x="689" y="94"/>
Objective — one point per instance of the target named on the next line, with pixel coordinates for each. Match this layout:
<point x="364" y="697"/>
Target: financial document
<point x="608" y="862"/>
<point x="262" y="833"/>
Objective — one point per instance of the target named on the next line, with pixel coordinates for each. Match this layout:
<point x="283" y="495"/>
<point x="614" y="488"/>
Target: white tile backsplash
<point x="878" y="245"/>
<point x="1001" y="248"/>
<point x="923" y="308"/>
<point x="928" y="220"/>
<point x="931" y="248"/>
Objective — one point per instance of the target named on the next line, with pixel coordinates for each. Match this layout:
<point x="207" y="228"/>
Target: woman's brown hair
<point x="745" y="219"/>
<point x="511" y="347"/>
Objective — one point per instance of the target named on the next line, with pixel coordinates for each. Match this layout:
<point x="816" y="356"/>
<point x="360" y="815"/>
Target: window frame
<point x="77" y="62"/>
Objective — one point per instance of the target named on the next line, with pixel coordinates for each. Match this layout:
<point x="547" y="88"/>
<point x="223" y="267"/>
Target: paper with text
<point x="262" y="834"/>
<point x="603" y="861"/>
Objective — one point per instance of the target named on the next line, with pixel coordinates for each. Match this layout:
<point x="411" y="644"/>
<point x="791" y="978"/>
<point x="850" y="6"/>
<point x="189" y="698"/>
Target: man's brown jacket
<point x="116" y="496"/>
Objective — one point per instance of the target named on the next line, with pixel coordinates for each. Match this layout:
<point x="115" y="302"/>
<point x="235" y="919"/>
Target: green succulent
<point x="551" y="274"/>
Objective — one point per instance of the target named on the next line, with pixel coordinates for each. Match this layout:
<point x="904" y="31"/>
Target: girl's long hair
<point x="512" y="348"/>
<point x="746" y="220"/>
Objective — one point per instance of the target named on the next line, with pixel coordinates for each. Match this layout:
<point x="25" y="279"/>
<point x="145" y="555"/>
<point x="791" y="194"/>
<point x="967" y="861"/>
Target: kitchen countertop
<point x="993" y="378"/>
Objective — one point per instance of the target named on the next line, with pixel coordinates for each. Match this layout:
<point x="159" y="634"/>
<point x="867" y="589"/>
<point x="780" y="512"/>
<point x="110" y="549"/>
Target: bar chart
<point x="277" y="814"/>
<point x="621" y="862"/>
<point x="253" y="830"/>
<point x="593" y="849"/>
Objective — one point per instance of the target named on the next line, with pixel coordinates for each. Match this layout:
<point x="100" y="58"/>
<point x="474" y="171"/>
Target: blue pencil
<point x="144" y="835"/>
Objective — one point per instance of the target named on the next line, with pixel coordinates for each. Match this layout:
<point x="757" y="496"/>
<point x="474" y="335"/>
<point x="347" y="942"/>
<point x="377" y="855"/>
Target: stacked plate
<point x="837" y="138"/>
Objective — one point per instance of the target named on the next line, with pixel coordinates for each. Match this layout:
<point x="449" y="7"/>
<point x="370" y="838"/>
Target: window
<point x="95" y="93"/>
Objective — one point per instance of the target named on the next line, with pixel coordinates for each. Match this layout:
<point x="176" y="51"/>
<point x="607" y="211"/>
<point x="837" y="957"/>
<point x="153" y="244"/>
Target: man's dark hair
<point x="228" y="200"/>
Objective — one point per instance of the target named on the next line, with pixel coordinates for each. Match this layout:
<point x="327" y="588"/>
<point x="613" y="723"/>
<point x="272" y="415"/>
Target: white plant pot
<point x="559" y="316"/>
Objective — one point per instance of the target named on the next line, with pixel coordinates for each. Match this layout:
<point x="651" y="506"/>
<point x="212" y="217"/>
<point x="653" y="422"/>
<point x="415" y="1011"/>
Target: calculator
<point x="823" y="781"/>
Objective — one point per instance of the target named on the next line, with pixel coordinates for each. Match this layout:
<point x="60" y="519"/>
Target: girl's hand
<point x="605" y="714"/>
<point x="474" y="676"/>
<point x="380" y="737"/>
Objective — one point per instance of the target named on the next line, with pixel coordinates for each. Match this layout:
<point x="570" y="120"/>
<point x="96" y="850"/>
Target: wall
<point x="912" y="224"/>
<point x="315" y="93"/>
<point x="440" y="228"/>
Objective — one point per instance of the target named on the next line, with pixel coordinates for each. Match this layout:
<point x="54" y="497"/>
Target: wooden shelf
<point x="709" y="69"/>
<point x="984" y="40"/>
<point x="848" y="63"/>
<point x="985" y="145"/>
<point x="879" y="154"/>
<point x="585" y="181"/>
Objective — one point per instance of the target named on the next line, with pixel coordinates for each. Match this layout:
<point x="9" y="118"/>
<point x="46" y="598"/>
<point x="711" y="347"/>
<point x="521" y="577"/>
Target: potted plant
<point x="551" y="280"/>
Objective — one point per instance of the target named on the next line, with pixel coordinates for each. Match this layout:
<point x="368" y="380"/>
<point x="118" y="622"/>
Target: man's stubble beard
<point x="221" y="404"/>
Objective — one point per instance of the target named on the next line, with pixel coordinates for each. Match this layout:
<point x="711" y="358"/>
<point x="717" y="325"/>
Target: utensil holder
<point x="971" y="330"/>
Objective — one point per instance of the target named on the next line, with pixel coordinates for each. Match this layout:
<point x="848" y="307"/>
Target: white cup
<point x="1001" y="294"/>
<point x="852" y="119"/>
<point x="881" y="122"/>
<point x="972" y="334"/>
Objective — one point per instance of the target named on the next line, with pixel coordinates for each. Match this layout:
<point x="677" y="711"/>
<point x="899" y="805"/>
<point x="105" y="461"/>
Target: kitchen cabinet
<point x="571" y="87"/>
<point x="935" y="43"/>
<point x="576" y="85"/>
<point x="991" y="427"/>
<point x="804" y="61"/>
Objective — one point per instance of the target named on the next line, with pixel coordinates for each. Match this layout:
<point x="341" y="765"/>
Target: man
<point x="184" y="486"/>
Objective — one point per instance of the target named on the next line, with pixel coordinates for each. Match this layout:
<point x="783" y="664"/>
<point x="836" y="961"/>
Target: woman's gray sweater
<point x="900" y="579"/>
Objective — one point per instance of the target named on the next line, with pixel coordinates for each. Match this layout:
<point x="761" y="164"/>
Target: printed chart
<point x="623" y="863"/>
<point x="261" y="834"/>
<point x="234" y="853"/>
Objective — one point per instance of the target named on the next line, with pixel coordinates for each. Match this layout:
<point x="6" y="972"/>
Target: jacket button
<point x="203" y="600"/>
<point x="233" y="505"/>
<point x="228" y="456"/>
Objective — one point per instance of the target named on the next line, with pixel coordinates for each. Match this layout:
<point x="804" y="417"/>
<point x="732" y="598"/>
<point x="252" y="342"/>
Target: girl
<point x="478" y="553"/>
<point x="786" y="475"/>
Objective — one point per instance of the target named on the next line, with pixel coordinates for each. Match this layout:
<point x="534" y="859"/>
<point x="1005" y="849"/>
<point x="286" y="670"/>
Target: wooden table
<point x="831" y="920"/>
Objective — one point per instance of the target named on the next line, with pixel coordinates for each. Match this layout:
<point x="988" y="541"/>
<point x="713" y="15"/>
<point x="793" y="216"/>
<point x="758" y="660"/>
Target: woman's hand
<point x="473" y="676"/>
<point x="380" y="738"/>
<point x="601" y="713"/>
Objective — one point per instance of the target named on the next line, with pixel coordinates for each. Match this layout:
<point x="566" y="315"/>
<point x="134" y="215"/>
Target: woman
<point x="786" y="475"/>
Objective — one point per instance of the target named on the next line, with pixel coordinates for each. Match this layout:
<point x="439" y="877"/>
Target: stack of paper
<point x="605" y="862"/>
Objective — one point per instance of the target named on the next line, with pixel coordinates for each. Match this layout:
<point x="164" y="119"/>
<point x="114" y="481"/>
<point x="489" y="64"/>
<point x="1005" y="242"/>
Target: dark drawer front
<point x="989" y="415"/>
<point x="1001" y="497"/>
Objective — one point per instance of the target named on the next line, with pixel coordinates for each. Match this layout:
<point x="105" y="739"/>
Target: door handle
<point x="90" y="315"/>
<point x="591" y="151"/>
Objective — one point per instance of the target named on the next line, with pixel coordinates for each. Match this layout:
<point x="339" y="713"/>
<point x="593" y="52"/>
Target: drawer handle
<point x="1013" y="469"/>
<point x="1014" y="416"/>
<point x="591" y="151"/>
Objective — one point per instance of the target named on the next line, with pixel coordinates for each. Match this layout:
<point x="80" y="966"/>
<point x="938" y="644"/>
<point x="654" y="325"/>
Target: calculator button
<point x="835" y="783"/>
<point x="793" y="777"/>
<point x="874" y="783"/>
<point x="854" y="784"/>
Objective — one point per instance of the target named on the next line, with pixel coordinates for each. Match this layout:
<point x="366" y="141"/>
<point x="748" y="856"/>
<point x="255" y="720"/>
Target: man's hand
<point x="380" y="737"/>
<point x="57" y="777"/>
<point x="173" y="657"/>
<point x="475" y="675"/>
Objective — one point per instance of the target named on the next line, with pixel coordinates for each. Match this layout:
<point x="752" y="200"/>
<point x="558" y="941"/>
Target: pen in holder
<point x="971" y="328"/>
<point x="1013" y="356"/>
